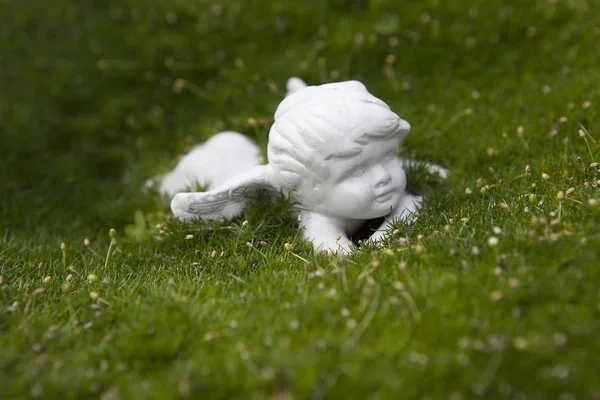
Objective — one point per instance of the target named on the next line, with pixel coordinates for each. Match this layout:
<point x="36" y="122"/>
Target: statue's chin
<point x="373" y="213"/>
<point x="379" y="207"/>
<point x="376" y="211"/>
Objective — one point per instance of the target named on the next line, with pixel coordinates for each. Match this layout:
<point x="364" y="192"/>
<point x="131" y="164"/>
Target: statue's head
<point x="334" y="149"/>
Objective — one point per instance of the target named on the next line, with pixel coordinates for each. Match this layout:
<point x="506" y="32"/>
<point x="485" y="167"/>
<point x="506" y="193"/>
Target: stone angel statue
<point x="332" y="150"/>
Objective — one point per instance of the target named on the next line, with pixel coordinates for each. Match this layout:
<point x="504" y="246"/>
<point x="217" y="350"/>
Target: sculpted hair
<point x="318" y="123"/>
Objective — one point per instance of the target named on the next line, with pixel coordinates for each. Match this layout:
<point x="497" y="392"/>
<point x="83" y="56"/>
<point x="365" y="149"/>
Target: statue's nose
<point x="382" y="177"/>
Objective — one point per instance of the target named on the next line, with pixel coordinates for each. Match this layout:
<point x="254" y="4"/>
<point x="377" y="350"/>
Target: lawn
<point x="492" y="292"/>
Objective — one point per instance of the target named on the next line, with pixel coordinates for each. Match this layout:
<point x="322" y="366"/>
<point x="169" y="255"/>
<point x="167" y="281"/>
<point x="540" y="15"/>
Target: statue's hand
<point x="327" y="234"/>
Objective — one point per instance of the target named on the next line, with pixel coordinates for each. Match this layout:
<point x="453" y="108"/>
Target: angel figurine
<point x="333" y="151"/>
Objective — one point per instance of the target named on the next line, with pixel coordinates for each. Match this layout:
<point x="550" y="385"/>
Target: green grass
<point x="89" y="111"/>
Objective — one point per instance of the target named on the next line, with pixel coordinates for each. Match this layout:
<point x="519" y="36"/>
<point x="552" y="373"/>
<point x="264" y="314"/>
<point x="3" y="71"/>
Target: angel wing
<point x="228" y="200"/>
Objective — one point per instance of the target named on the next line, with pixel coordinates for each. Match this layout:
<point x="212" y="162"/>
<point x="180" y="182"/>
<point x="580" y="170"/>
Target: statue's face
<point x="364" y="186"/>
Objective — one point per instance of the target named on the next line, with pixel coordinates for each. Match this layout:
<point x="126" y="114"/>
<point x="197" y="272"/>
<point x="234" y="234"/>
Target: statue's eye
<point x="358" y="172"/>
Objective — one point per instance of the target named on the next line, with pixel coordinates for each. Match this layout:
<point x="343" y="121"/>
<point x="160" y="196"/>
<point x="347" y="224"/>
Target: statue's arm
<point x="408" y="205"/>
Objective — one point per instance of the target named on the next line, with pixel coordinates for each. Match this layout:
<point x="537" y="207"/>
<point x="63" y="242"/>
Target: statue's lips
<point x="387" y="195"/>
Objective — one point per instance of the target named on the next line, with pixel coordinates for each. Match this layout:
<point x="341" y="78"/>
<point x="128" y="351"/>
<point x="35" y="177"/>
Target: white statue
<point x="332" y="151"/>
